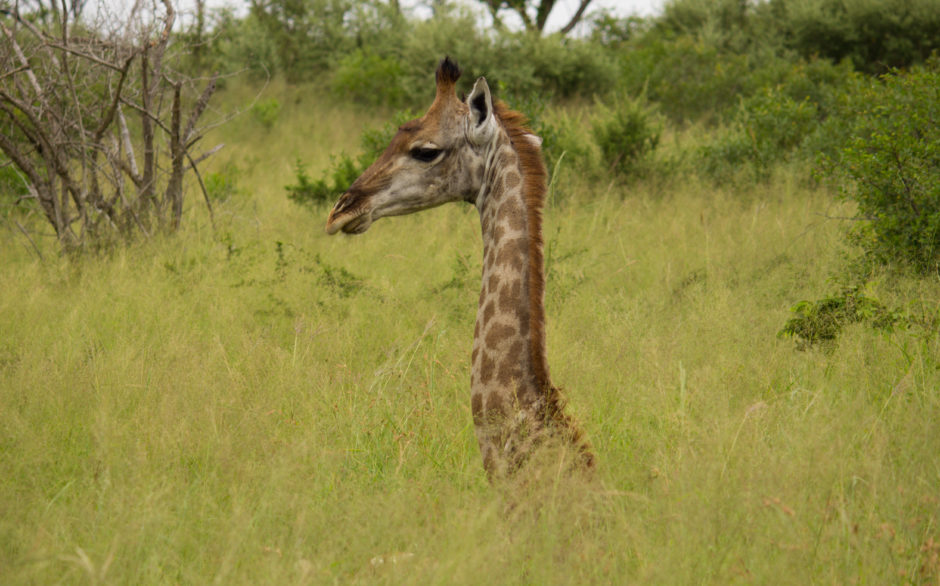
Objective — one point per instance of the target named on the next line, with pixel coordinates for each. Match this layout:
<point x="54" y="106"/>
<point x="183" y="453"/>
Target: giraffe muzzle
<point x="349" y="215"/>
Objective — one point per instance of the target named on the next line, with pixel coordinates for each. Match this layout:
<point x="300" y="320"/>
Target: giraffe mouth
<point x="348" y="221"/>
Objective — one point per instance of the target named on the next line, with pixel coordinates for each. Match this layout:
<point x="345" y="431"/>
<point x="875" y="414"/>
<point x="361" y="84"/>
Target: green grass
<point x="264" y="404"/>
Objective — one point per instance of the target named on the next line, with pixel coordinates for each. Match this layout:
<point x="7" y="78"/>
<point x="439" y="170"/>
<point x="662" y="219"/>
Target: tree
<point x="72" y="98"/>
<point x="541" y="10"/>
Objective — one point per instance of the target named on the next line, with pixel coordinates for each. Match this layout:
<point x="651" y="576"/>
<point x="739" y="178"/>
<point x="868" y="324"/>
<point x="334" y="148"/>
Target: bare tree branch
<point x="576" y="18"/>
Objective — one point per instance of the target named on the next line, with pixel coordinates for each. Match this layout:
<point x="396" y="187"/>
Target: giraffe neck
<point x="510" y="383"/>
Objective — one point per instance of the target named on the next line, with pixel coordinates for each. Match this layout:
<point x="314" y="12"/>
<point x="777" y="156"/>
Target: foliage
<point x="874" y="36"/>
<point x="343" y="168"/>
<point x="893" y="158"/>
<point x="223" y="184"/>
<point x="266" y="112"/>
<point x="820" y="322"/>
<point x="308" y="191"/>
<point x="799" y="114"/>
<point x="12" y="184"/>
<point x="369" y="79"/>
<point x="687" y="78"/>
<point x="626" y="133"/>
<point x="305" y="35"/>
<point x="238" y="45"/>
<point x="767" y="129"/>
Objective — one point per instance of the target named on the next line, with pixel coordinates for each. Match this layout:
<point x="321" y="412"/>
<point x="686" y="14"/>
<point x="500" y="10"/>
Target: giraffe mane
<point x="534" y="187"/>
<point x="533" y="190"/>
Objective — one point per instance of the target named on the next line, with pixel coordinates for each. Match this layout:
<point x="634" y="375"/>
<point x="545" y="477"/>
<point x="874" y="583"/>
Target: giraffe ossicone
<point x="480" y="152"/>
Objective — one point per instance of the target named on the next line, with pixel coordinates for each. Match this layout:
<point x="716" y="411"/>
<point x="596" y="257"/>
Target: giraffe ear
<point x="482" y="123"/>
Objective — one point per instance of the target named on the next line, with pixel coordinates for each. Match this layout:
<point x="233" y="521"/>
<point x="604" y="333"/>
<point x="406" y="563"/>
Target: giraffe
<point x="480" y="152"/>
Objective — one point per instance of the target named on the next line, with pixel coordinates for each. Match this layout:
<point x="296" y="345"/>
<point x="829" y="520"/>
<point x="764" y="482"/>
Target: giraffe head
<point x="432" y="160"/>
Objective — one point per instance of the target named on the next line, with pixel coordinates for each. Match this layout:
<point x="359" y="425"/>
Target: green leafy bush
<point x="893" y="158"/>
<point x="266" y="112"/>
<point x="688" y="79"/>
<point x="395" y="67"/>
<point x="767" y="129"/>
<point x="222" y="185"/>
<point x="820" y="322"/>
<point x="369" y="78"/>
<point x="308" y="191"/>
<point x="874" y="36"/>
<point x="344" y="168"/>
<point x="626" y="134"/>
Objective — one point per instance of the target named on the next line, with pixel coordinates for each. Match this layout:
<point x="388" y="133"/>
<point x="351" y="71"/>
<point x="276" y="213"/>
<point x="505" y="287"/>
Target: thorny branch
<point x="62" y="124"/>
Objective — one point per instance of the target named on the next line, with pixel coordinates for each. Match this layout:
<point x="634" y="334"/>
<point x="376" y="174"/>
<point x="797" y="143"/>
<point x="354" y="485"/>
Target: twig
<point x="29" y="238"/>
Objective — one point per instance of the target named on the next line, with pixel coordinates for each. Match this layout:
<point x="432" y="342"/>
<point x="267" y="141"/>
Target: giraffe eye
<point x="425" y="155"/>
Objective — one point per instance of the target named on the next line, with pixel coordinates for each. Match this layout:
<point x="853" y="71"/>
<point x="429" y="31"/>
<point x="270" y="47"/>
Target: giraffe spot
<point x="514" y="355"/>
<point x="487" y="366"/>
<point x="511" y="180"/>
<point x="511" y="254"/>
<point x="517" y="220"/>
<point x="488" y="260"/>
<point x="498" y="333"/>
<point x="511" y="206"/>
<point x="493" y="283"/>
<point x="476" y="350"/>
<point x="498" y="233"/>
<point x="509" y="372"/>
<point x="510" y="295"/>
<point x="489" y="459"/>
<point x="494" y="405"/>
<point x="524" y="324"/>
<point x="476" y="407"/>
<point x="488" y="311"/>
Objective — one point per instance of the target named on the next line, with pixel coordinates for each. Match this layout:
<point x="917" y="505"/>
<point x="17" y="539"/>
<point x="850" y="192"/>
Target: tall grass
<point x="263" y="404"/>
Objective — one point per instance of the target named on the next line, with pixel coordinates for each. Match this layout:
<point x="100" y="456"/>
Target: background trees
<point x="98" y="127"/>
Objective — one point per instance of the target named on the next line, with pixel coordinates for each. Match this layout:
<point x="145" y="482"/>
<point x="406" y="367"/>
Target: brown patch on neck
<point x="534" y="188"/>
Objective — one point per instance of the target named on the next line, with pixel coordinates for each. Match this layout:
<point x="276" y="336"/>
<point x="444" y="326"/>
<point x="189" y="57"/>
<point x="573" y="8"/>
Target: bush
<point x="820" y="322"/>
<point x="266" y="112"/>
<point x="893" y="160"/>
<point x="395" y="67"/>
<point x="874" y="36"/>
<point x="344" y="169"/>
<point x="241" y="44"/>
<point x="370" y="79"/>
<point x="768" y="128"/>
<point x="688" y="79"/>
<point x="222" y="185"/>
<point x="626" y="134"/>
<point x="324" y="190"/>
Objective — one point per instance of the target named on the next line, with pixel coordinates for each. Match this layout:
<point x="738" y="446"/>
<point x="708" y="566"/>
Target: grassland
<point x="260" y="403"/>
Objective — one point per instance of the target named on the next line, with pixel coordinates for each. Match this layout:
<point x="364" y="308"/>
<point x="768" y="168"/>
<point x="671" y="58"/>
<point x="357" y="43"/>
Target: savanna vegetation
<point x="742" y="246"/>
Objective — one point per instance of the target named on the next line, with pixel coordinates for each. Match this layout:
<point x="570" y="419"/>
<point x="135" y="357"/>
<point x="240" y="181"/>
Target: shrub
<point x="344" y="169"/>
<point x="312" y="192"/>
<point x="266" y="112"/>
<point x="893" y="158"/>
<point x="626" y="134"/>
<point x="240" y="44"/>
<point x="767" y="129"/>
<point x="874" y="36"/>
<point x="820" y="322"/>
<point x="690" y="80"/>
<point x="369" y="78"/>
<point x="222" y="185"/>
